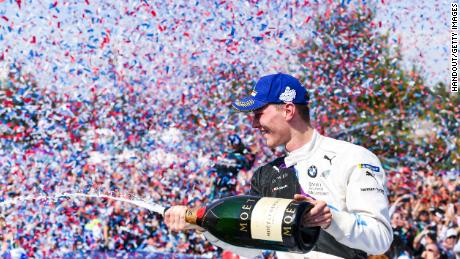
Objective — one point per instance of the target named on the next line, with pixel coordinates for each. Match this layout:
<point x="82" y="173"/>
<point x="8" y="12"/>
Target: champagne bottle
<point x="257" y="222"/>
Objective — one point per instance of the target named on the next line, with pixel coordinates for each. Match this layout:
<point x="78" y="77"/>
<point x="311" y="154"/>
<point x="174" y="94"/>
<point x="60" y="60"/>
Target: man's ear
<point x="289" y="111"/>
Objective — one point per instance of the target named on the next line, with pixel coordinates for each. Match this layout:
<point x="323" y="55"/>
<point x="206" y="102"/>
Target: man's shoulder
<point x="337" y="145"/>
<point x="272" y="165"/>
<point x="344" y="148"/>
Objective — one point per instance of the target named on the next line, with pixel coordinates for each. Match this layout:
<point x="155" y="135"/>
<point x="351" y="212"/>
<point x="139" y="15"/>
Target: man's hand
<point x="319" y="215"/>
<point x="175" y="219"/>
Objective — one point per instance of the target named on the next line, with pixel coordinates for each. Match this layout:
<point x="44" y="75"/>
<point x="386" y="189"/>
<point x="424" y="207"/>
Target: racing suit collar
<point x="304" y="152"/>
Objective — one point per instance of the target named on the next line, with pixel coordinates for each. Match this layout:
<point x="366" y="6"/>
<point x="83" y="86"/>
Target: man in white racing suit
<point x="345" y="182"/>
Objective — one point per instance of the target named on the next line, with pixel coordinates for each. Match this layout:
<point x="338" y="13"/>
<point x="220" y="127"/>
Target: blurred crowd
<point x="425" y="211"/>
<point x="425" y="214"/>
<point x="133" y="101"/>
<point x="117" y="145"/>
<point x="123" y="144"/>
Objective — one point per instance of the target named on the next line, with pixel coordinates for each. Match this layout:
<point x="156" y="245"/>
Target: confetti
<point x="133" y="99"/>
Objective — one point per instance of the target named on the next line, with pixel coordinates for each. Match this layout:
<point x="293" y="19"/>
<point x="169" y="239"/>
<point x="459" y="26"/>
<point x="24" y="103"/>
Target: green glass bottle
<point x="257" y="222"/>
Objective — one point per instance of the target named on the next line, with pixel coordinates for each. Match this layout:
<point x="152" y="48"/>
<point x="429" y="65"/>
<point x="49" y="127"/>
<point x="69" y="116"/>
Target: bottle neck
<point x="195" y="215"/>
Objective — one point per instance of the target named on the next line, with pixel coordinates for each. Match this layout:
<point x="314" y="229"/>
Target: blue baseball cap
<point x="276" y="88"/>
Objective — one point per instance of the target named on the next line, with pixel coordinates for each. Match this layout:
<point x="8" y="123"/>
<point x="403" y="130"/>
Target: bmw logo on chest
<point x="312" y="171"/>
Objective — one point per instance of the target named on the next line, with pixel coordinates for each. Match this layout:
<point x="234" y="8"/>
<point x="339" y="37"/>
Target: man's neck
<point x="299" y="139"/>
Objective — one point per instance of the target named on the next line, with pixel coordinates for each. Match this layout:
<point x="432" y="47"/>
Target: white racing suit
<point x="349" y="178"/>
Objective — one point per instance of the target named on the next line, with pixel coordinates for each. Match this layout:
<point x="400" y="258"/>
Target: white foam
<point x="140" y="203"/>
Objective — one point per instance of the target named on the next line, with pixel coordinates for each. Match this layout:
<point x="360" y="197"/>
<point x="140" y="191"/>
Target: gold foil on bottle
<point x="191" y="215"/>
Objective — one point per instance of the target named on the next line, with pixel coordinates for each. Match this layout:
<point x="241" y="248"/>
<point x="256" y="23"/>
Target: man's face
<point x="424" y="217"/>
<point x="270" y="120"/>
<point x="397" y="220"/>
<point x="431" y="251"/>
<point x="449" y="242"/>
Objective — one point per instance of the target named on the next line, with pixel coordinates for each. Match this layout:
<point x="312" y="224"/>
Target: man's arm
<point x="365" y="223"/>
<point x="175" y="220"/>
<point x="256" y="188"/>
<point x="318" y="216"/>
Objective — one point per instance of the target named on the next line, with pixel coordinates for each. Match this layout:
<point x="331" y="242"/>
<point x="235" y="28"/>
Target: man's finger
<point x="317" y="209"/>
<point x="167" y="218"/>
<point x="175" y="218"/>
<point x="301" y="197"/>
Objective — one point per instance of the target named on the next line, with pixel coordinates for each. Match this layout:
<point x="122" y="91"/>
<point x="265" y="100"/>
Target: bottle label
<point x="267" y="218"/>
<point x="245" y="217"/>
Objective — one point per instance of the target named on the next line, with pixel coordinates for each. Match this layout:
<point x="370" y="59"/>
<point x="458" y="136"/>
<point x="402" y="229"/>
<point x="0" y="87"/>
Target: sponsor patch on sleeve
<point x="370" y="167"/>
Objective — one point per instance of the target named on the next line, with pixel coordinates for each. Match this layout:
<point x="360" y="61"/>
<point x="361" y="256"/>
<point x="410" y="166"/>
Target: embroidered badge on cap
<point x="288" y="95"/>
<point x="246" y="103"/>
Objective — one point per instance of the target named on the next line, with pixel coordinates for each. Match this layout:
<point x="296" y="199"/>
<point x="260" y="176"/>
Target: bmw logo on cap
<point x="312" y="171"/>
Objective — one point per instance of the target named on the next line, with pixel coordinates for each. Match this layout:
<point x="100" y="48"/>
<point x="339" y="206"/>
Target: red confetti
<point x="161" y="28"/>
